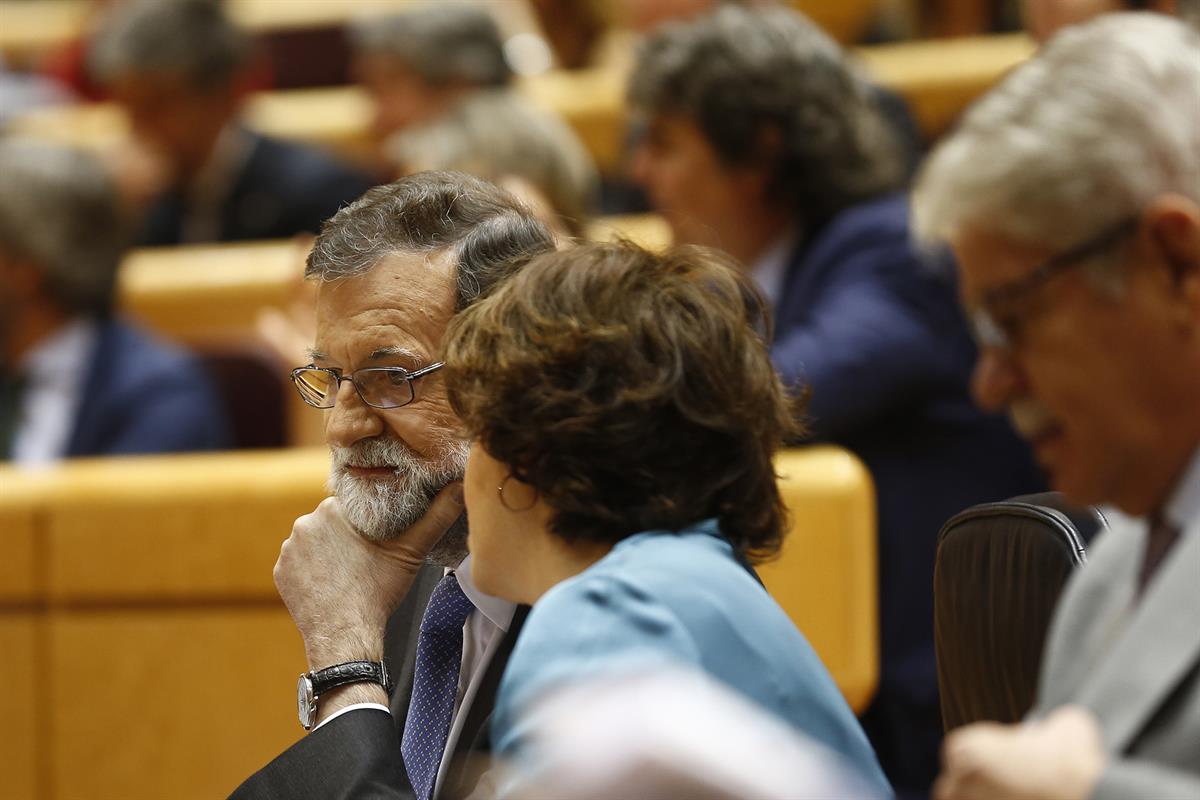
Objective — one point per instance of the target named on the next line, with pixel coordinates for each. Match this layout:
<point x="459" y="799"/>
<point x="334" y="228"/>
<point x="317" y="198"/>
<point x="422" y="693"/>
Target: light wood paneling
<point x="937" y="78"/>
<point x="200" y="292"/>
<point x="826" y="576"/>
<point x="171" y="703"/>
<point x="19" y="501"/>
<point x="940" y="78"/>
<point x="197" y="526"/>
<point x="22" y="728"/>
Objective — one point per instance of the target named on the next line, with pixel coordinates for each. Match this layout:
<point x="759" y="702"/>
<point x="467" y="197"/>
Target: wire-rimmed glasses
<point x="378" y="387"/>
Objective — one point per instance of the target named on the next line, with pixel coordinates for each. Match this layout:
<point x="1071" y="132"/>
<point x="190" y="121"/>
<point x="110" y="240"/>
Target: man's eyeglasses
<point x="379" y="387"/>
<point x="997" y="319"/>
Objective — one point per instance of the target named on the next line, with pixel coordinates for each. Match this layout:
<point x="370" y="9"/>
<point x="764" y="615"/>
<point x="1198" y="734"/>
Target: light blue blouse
<point x="662" y="598"/>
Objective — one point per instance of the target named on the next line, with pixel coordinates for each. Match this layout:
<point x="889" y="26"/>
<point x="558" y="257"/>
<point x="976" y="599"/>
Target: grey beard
<point x="382" y="509"/>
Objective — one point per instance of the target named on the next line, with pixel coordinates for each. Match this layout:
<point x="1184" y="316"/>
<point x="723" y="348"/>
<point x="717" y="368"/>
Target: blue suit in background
<point x="877" y="334"/>
<point x="144" y="396"/>
<point x="660" y="599"/>
<point x="282" y="189"/>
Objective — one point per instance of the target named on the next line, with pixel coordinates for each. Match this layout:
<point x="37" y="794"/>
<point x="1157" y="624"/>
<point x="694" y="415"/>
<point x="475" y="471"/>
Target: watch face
<point x="306" y="705"/>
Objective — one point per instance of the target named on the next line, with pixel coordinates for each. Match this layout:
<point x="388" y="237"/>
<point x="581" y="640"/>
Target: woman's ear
<point x="516" y="496"/>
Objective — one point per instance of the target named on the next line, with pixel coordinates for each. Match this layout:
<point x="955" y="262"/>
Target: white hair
<point x="382" y="509"/>
<point x="1102" y="120"/>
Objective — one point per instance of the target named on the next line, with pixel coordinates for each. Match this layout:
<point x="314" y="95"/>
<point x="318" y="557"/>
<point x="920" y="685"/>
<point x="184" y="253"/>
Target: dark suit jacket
<point x="877" y="334"/>
<point x="144" y="396"/>
<point x="358" y="754"/>
<point x="283" y="189"/>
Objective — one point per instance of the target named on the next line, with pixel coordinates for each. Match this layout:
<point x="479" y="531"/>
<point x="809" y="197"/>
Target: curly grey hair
<point x="441" y="43"/>
<point x="191" y="38"/>
<point x="487" y="232"/>
<point x="494" y="134"/>
<point x="59" y="210"/>
<point x="767" y="87"/>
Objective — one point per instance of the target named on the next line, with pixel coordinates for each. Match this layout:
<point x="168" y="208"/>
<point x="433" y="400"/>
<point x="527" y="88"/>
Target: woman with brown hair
<point x="625" y="414"/>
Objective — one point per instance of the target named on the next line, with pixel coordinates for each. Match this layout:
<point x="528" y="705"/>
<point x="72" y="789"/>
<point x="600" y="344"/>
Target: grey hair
<point x="192" y="38"/>
<point x="442" y="43"/>
<point x="1102" y="120"/>
<point x="1189" y="12"/>
<point x="59" y="210"/>
<point x="741" y="73"/>
<point x="486" y="231"/>
<point x="497" y="133"/>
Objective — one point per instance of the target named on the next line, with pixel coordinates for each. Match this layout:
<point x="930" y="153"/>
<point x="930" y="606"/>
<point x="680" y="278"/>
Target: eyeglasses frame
<point x="340" y="378"/>
<point x="989" y="332"/>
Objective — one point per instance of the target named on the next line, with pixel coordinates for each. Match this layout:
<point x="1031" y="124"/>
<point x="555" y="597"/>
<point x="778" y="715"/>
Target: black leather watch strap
<point x="350" y="672"/>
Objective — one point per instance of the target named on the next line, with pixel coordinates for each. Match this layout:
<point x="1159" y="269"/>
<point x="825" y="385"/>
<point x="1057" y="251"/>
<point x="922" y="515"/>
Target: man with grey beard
<point x="381" y="567"/>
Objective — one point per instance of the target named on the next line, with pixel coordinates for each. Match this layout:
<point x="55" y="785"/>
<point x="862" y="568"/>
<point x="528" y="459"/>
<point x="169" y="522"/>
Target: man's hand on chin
<point x="1060" y="757"/>
<point x="340" y="587"/>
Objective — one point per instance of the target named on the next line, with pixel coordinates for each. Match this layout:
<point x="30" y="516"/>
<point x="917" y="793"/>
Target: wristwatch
<point x="314" y="684"/>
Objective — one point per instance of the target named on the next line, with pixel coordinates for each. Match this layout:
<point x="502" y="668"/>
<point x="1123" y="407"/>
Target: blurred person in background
<point x="179" y="68"/>
<point x="381" y="567"/>
<point x="763" y="142"/>
<point x="501" y="137"/>
<point x="418" y="64"/>
<point x="74" y="379"/>
<point x="624" y="416"/>
<point x="1071" y="196"/>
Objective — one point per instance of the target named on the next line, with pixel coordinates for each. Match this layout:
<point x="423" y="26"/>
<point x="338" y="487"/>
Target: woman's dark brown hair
<point x="632" y="390"/>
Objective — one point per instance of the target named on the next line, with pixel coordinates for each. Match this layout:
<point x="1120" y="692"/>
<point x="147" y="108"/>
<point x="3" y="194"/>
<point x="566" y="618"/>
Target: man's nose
<point x="997" y="379"/>
<point x="351" y="420"/>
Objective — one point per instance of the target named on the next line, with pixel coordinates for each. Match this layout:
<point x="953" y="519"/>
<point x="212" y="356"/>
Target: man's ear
<point x="1173" y="223"/>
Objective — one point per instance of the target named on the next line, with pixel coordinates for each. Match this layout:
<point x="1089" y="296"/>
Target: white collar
<point x="216" y="178"/>
<point x="61" y="358"/>
<point x="499" y="611"/>
<point x="770" y="269"/>
<point x="1183" y="506"/>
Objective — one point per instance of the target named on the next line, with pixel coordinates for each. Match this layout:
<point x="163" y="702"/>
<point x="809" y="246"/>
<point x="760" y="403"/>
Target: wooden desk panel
<point x="177" y="528"/>
<point x="938" y="79"/>
<point x="201" y="292"/>
<point x="24" y="711"/>
<point x="20" y="569"/>
<point x="826" y="576"/>
<point x="181" y="703"/>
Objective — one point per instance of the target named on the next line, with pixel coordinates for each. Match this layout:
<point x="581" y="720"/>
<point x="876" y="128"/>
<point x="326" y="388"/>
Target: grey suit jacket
<point x="1134" y="663"/>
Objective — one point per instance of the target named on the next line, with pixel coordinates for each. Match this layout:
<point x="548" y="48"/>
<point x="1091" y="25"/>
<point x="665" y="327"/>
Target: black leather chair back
<point x="999" y="571"/>
<point x="253" y="388"/>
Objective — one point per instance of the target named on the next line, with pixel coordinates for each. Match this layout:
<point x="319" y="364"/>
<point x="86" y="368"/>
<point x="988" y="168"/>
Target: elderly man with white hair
<point x="1071" y="196"/>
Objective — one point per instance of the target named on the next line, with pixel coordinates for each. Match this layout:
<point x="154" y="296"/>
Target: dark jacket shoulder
<point x="143" y="395"/>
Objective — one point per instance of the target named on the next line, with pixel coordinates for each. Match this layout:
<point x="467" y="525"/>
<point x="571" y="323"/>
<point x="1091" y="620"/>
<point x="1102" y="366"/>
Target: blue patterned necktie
<point x="435" y="684"/>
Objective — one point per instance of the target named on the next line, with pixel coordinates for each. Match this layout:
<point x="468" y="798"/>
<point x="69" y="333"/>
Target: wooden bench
<point x="146" y="652"/>
<point x="200" y="294"/>
<point x="938" y="78"/>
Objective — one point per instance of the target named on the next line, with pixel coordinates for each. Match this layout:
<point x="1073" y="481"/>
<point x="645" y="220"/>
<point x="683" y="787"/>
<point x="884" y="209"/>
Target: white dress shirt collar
<point x="770" y="269"/>
<point x="1183" y="507"/>
<point x="208" y="192"/>
<point x="499" y="611"/>
<point x="56" y="370"/>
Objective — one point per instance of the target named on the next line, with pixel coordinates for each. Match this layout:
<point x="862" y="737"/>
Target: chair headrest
<point x="1075" y="526"/>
